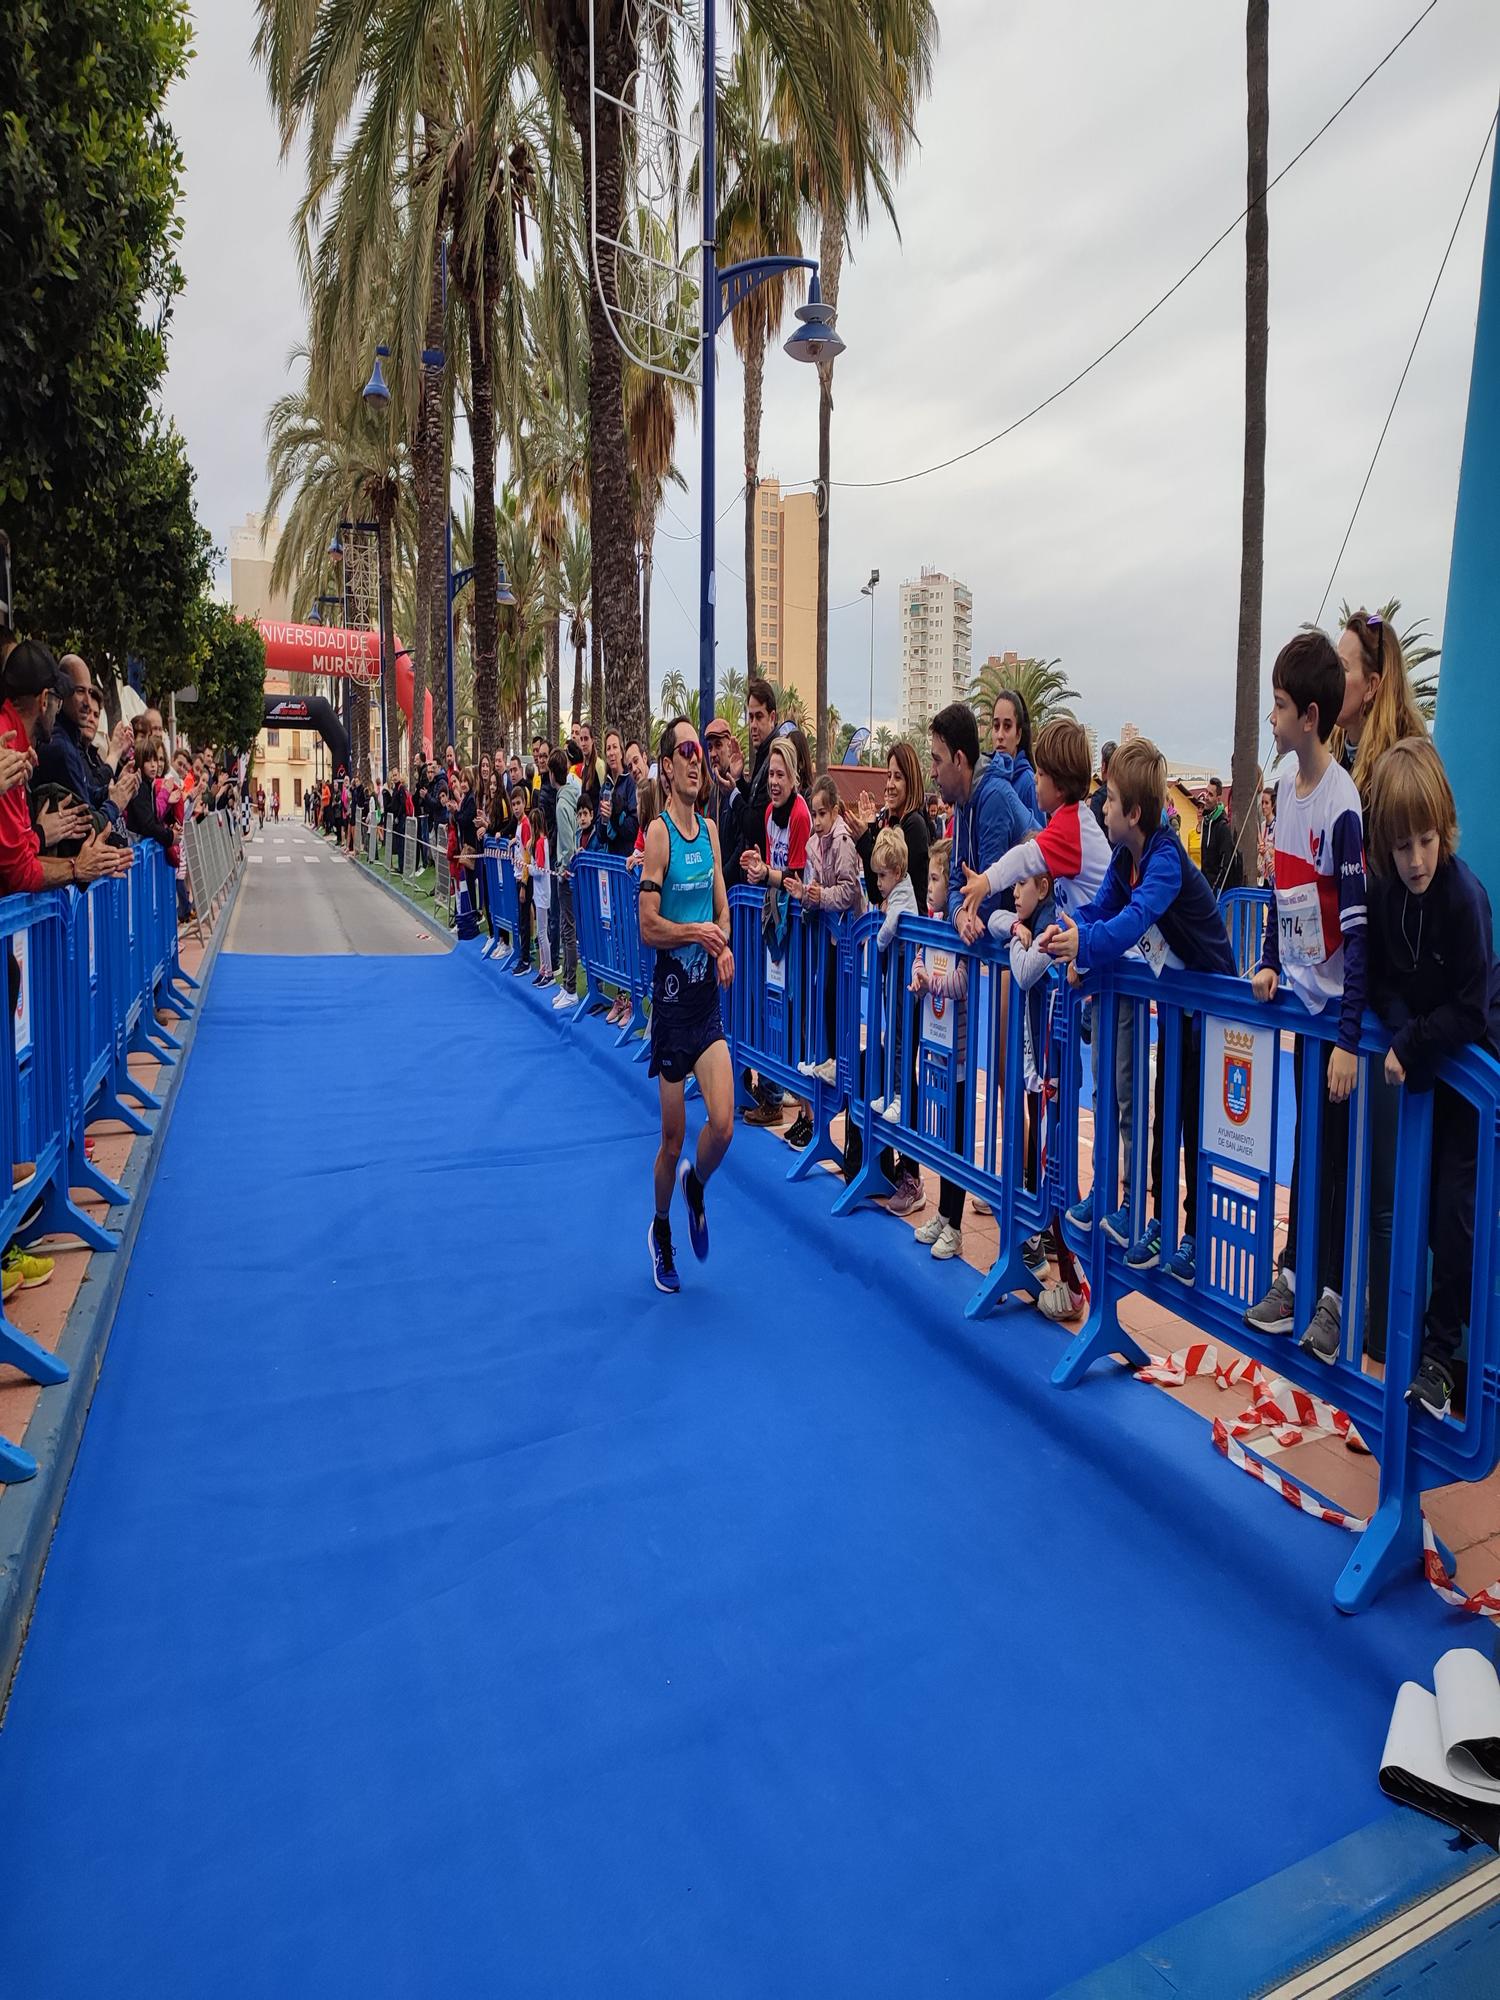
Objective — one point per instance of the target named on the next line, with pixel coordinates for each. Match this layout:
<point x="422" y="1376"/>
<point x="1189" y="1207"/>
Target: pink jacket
<point x="833" y="863"/>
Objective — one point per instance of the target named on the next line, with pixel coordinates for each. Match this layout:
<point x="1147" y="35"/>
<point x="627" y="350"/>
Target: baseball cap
<point x="718" y="727"/>
<point x="32" y="669"/>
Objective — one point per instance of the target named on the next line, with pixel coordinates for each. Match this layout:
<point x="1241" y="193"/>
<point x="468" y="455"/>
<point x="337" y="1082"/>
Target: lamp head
<point x="503" y="592"/>
<point x="376" y="391"/>
<point x="335" y="549"/>
<point x="315" y="616"/>
<point x="815" y="338"/>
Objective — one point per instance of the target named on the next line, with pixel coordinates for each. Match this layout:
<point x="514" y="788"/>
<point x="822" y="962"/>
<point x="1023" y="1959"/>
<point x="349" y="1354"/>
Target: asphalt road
<point x="301" y="899"/>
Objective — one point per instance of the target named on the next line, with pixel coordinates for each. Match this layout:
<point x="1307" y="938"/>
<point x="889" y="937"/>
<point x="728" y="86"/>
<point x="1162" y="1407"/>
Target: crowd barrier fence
<point x="955" y="1071"/>
<point x="502" y="895"/>
<point x="89" y="970"/>
<point x="606" y="917"/>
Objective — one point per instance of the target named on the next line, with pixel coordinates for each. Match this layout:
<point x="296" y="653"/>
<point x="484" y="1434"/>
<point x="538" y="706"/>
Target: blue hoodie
<point x="1166" y="902"/>
<point x="1023" y="779"/>
<point x="990" y="822"/>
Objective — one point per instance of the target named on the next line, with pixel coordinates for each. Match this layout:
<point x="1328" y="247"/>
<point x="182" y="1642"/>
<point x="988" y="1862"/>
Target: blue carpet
<point x="438" y="1610"/>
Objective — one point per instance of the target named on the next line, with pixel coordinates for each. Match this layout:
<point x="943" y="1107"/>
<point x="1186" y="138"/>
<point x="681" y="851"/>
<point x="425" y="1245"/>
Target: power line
<point x="942" y="465"/>
<point x="720" y="563"/>
<point x="1370" y="469"/>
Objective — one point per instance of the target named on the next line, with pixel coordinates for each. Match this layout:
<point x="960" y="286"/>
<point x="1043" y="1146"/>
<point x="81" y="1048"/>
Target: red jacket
<point x="20" y="866"/>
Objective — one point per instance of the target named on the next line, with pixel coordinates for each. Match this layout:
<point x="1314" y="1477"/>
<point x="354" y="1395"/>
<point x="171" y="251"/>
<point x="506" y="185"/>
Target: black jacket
<point x="1220" y="857"/>
<point x="918" y="837"/>
<point x="616" y="835"/>
<point x="1431" y="968"/>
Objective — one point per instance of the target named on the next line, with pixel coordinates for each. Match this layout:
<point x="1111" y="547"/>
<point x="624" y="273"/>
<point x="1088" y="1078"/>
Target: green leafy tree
<point x="230" y="673"/>
<point x="90" y="174"/>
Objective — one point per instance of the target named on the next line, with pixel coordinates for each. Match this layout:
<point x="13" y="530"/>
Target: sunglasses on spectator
<point x="689" y="747"/>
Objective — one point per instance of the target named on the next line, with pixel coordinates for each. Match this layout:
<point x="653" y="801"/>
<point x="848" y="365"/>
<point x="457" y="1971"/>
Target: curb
<point x="434" y="917"/>
<point x="30" y="1511"/>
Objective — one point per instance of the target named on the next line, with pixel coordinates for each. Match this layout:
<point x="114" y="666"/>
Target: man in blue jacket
<point x="988" y="817"/>
<point x="66" y="759"/>
<point x="619" y="812"/>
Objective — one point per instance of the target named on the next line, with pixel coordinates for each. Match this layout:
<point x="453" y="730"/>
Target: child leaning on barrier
<point x="1038" y="981"/>
<point x="1435" y="984"/>
<point x="833" y="881"/>
<point x="1156" y="901"/>
<point x="541" y="898"/>
<point x="1316" y="944"/>
<point x="944" y="1233"/>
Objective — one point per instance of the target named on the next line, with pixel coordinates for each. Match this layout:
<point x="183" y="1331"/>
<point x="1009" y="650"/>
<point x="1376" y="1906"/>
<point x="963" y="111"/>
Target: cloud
<point x="1073" y="160"/>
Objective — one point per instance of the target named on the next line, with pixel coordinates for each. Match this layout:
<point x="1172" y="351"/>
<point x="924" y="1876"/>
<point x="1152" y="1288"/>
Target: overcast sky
<point x="1074" y="160"/>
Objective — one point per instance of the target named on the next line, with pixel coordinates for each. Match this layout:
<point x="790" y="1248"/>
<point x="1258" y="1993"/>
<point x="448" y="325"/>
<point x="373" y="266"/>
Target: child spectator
<point x="888" y="860"/>
<point x="541" y="898"/>
<point x="1435" y="984"/>
<point x="834" y="882"/>
<point x="1152" y="897"/>
<point x="1070" y="849"/>
<point x="1036" y="979"/>
<point x="520" y="861"/>
<point x="944" y="1233"/>
<point x="1317" y="944"/>
<point x="585" y="823"/>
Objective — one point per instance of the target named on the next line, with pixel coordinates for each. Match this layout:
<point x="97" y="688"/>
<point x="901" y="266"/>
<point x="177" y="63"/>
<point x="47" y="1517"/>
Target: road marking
<point x="283" y="861"/>
<point x="255" y="860"/>
<point x="312" y="860"/>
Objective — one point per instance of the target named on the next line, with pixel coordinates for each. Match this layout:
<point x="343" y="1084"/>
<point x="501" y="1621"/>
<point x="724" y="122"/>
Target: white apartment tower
<point x="937" y="645"/>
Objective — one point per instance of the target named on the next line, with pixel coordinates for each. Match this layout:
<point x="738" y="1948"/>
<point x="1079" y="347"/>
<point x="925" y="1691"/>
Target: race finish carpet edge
<point x="438" y="1609"/>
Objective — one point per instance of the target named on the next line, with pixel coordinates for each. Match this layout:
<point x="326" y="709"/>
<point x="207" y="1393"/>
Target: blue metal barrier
<point x="606" y="912"/>
<point x="778" y="1010"/>
<point x="1245" y="912"/>
<point x="1245" y="1092"/>
<point x="503" y="897"/>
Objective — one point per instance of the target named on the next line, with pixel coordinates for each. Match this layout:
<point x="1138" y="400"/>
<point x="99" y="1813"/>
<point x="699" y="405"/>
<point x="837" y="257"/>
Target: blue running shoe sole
<point x="665" y="1277"/>
<point x="1113" y="1233"/>
<point x="697" y="1218"/>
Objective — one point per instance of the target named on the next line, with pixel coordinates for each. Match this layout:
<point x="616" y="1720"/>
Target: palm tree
<point x="675" y="693"/>
<point x="871" y="101"/>
<point x="883" y="745"/>
<point x="1246" y="780"/>
<point x="577" y="606"/>
<point x="759" y="214"/>
<point x="790" y="707"/>
<point x="1416" y="649"/>
<point x="1042" y="684"/>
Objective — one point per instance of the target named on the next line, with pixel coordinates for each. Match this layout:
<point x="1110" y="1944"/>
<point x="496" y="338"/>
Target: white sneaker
<point x="877" y="1105"/>
<point x="805" y="1069"/>
<point x="949" y="1243"/>
<point x="1060" y="1301"/>
<point x="980" y="1207"/>
<point x="566" y="1000"/>
<point x="826" y="1072"/>
<point x="892" y="1111"/>
<point x="931" y="1230"/>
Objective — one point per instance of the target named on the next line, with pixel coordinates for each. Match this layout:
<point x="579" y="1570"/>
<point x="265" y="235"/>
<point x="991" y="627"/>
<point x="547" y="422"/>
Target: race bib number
<point x="1299" y="924"/>
<point x="1157" y="953"/>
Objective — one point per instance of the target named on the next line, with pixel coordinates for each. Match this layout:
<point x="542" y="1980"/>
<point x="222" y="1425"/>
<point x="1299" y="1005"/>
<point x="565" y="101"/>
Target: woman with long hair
<point x="1379" y="710"/>
<point x="1010" y="740"/>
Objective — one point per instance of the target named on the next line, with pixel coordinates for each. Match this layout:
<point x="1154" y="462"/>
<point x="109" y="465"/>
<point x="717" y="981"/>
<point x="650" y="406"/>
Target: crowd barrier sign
<point x="88" y="971"/>
<point x="503" y="899"/>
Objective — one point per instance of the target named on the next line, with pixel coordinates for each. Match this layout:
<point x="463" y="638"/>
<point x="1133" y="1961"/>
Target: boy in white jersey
<point x="685" y="921"/>
<point x="1316" y="944"/>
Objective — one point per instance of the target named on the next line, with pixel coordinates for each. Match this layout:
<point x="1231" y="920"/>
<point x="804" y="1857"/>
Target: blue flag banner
<point x="857" y="743"/>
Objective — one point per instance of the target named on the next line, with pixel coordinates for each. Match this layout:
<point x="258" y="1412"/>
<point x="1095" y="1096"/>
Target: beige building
<point x="937" y="647"/>
<point x="786" y="589"/>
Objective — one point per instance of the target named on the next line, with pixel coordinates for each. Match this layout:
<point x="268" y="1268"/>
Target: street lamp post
<point x="377" y="397"/>
<point x="868" y="590"/>
<point x="814" y="340"/>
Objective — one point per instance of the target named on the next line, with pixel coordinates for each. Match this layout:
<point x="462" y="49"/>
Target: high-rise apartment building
<point x="937" y="646"/>
<point x="786" y="589"/>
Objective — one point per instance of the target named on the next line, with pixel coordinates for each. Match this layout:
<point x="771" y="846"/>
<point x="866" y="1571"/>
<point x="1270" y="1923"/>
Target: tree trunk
<point x="831" y="258"/>
<point x="648" y="538"/>
<point x="755" y="373"/>
<point x="577" y="714"/>
<point x="554" y="667"/>
<point x="484" y="615"/>
<point x="617" y="625"/>
<point x="1246" y="778"/>
<point x="596" y="658"/>
<point x="387" y="640"/>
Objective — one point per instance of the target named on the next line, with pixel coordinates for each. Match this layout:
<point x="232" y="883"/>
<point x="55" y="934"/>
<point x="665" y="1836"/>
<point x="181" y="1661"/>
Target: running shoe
<point x="659" y="1243"/>
<point x="1274" y="1313"/>
<point x="892" y="1112"/>
<point x="22" y="1172"/>
<point x="1145" y="1254"/>
<point x="931" y="1230"/>
<point x="1116" y="1226"/>
<point x="1183" y="1262"/>
<point x="692" y="1194"/>
<point x="949" y="1244"/>
<point x="34" y="1270"/>
<point x="1324" y="1332"/>
<point x="800" y="1134"/>
<point x="1081" y="1214"/>
<point x="825" y="1072"/>
<point x="908" y="1196"/>
<point x="979" y="1205"/>
<point x="1034" y="1256"/>
<point x="1432" y="1390"/>
<point x="10" y="1282"/>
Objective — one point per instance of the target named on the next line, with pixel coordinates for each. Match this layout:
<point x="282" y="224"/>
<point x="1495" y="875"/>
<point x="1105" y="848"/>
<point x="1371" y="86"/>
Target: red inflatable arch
<point x="404" y="680"/>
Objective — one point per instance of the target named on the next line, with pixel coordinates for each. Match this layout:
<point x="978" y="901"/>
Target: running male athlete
<point x="685" y="921"/>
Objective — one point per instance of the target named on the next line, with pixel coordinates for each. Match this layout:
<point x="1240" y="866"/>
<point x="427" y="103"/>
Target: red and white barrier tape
<point x="1291" y="1414"/>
